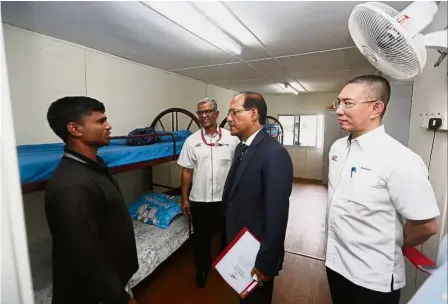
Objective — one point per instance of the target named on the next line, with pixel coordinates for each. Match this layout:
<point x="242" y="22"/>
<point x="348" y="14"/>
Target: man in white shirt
<point x="380" y="200"/>
<point x="205" y="159"/>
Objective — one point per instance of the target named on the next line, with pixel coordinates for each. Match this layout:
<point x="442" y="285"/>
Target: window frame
<point x="298" y="131"/>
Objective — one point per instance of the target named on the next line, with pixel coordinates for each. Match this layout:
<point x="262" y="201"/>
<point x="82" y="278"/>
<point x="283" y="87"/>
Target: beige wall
<point x="430" y="95"/>
<point x="42" y="69"/>
<point x="307" y="162"/>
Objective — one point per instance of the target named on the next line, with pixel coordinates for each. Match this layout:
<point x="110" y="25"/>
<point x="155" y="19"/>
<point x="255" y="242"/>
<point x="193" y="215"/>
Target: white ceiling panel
<point x="260" y="86"/>
<point x="222" y="73"/>
<point x="270" y="68"/>
<point x="127" y="29"/>
<point x="292" y="82"/>
<point x="309" y="40"/>
<point x="345" y="59"/>
<point x="294" y="27"/>
<point x="331" y="81"/>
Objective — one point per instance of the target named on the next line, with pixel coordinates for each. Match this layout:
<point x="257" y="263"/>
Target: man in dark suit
<point x="257" y="190"/>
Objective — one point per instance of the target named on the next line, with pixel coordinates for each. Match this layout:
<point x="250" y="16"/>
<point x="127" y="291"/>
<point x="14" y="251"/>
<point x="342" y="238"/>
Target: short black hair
<point x="255" y="100"/>
<point x="71" y="109"/>
<point x="378" y="88"/>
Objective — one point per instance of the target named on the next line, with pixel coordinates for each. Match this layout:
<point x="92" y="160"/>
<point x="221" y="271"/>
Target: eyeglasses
<point x="348" y="104"/>
<point x="205" y="112"/>
<point x="234" y="112"/>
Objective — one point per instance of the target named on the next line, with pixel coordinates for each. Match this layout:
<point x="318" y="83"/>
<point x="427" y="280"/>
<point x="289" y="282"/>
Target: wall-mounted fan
<point x="392" y="40"/>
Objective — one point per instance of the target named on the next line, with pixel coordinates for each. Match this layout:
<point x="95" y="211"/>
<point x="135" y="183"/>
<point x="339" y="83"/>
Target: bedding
<point x="154" y="245"/>
<point x="37" y="162"/>
<point x="272" y="130"/>
<point x="142" y="141"/>
<point x="156" y="209"/>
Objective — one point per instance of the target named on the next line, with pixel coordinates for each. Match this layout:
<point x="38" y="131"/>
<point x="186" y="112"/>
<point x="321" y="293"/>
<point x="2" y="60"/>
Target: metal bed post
<point x="275" y="122"/>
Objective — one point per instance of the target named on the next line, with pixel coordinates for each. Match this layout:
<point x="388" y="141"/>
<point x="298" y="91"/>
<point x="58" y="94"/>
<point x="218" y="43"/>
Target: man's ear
<point x="74" y="129"/>
<point x="378" y="109"/>
<point x="254" y="115"/>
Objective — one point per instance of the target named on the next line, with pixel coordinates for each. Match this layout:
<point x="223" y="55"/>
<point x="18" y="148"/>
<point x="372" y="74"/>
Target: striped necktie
<point x="243" y="151"/>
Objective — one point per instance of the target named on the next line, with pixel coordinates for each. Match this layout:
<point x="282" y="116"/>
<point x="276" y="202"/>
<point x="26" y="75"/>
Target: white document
<point x="237" y="263"/>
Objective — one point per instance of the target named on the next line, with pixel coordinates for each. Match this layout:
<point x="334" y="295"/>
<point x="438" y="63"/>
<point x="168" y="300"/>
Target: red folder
<point x="251" y="287"/>
<point x="419" y="260"/>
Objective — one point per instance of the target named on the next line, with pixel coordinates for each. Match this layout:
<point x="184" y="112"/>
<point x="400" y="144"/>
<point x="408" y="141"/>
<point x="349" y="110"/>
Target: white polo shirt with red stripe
<point x="210" y="157"/>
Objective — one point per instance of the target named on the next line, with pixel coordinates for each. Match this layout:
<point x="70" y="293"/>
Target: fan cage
<point x="383" y="41"/>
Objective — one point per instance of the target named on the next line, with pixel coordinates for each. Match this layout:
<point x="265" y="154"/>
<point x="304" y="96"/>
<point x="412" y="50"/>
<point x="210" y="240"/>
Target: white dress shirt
<point x="374" y="184"/>
<point x="210" y="164"/>
<point x="251" y="138"/>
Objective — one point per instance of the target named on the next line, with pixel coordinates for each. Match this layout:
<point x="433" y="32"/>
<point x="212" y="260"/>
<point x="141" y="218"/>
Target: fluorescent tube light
<point x="217" y="13"/>
<point x="186" y="16"/>
<point x="287" y="87"/>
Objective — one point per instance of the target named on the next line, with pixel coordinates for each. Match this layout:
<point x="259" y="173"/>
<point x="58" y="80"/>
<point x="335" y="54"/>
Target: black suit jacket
<point x="258" y="199"/>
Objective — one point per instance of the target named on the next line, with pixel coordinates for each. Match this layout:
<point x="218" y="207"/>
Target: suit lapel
<point x="253" y="149"/>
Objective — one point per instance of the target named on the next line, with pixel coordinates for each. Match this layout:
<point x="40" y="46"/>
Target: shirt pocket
<point x="365" y="192"/>
<point x="224" y="154"/>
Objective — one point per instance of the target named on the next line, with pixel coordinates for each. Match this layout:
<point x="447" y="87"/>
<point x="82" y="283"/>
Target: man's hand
<point x="187" y="176"/>
<point x="186" y="207"/>
<point x="132" y="301"/>
<point x="261" y="277"/>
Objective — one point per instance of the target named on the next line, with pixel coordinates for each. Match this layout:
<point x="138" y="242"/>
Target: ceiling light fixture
<point x="188" y="17"/>
<point x="219" y="14"/>
<point x="289" y="88"/>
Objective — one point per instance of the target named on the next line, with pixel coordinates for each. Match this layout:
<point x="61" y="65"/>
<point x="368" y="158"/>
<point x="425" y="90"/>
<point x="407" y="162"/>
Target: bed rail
<point x="41" y="185"/>
<point x="174" y="112"/>
<point x="153" y="135"/>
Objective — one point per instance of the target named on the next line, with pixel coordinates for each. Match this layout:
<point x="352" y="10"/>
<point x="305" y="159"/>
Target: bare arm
<point x="186" y="180"/>
<point x="418" y="232"/>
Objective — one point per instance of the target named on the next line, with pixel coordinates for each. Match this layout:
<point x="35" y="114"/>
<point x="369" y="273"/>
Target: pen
<point x="353" y="170"/>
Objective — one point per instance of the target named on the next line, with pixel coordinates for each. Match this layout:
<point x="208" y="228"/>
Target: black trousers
<point x="261" y="295"/>
<point x="343" y="291"/>
<point x="207" y="218"/>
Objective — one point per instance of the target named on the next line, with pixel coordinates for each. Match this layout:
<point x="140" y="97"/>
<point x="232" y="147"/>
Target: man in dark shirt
<point x="94" y="251"/>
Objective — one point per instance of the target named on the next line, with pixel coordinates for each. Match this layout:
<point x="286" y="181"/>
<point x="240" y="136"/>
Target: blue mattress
<point x="37" y="162"/>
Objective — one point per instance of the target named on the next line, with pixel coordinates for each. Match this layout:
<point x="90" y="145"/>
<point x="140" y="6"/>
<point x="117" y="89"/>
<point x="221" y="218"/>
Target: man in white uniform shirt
<point x="205" y="159"/>
<point x="380" y="200"/>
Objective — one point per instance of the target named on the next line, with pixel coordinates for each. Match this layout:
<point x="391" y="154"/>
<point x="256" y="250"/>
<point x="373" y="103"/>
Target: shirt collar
<point x="369" y="138"/>
<point x="216" y="135"/>
<point x="98" y="163"/>
<point x="251" y="138"/>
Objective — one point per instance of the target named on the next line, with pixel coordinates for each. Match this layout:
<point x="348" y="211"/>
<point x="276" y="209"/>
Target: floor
<point x="302" y="279"/>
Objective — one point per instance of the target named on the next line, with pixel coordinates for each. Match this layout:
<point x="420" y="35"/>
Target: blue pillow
<point x="178" y="135"/>
<point x="156" y="209"/>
